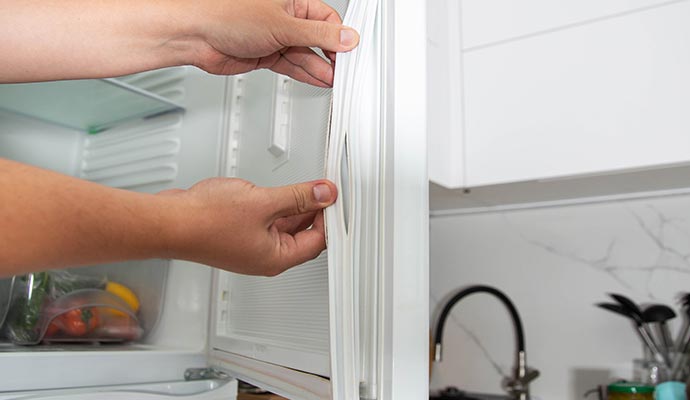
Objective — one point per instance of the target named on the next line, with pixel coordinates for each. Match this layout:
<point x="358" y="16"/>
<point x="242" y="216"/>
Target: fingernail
<point x="322" y="193"/>
<point x="347" y="37"/>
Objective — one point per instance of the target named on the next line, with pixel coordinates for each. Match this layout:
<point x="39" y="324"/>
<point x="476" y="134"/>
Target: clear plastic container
<point x="84" y="305"/>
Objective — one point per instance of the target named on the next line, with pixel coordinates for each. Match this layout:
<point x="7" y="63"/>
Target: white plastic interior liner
<point x="286" y="316"/>
<point x="353" y="162"/>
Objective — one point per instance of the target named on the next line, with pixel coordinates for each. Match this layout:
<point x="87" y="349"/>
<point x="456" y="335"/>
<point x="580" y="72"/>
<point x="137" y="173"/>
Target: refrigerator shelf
<point x="90" y="105"/>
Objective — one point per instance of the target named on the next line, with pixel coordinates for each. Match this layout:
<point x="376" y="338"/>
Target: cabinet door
<point x="551" y="94"/>
<point x="598" y="98"/>
<point x="333" y="328"/>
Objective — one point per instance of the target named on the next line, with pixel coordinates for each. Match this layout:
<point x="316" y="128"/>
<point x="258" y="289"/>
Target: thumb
<point x="327" y="36"/>
<point x="301" y="198"/>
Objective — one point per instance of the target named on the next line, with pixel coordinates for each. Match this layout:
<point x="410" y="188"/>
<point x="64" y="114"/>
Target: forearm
<point x="48" y="220"/>
<point x="64" y="39"/>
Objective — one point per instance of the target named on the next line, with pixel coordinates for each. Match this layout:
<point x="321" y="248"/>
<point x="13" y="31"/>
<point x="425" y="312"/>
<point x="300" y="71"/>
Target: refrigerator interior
<point x="129" y="157"/>
<point x="261" y="127"/>
<point x="149" y="155"/>
<point x="176" y="150"/>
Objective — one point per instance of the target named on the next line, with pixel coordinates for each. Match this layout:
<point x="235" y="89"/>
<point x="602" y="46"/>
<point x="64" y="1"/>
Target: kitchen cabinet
<point x="537" y="91"/>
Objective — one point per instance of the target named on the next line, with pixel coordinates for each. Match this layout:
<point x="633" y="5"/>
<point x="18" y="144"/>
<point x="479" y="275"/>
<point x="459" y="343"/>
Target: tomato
<point x="93" y="320"/>
<point x="80" y="321"/>
<point x="53" y="329"/>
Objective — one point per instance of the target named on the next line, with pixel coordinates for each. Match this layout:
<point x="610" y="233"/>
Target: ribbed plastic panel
<point x="308" y="125"/>
<point x="166" y="83"/>
<point x="133" y="155"/>
<point x="140" y="153"/>
<point x="290" y="310"/>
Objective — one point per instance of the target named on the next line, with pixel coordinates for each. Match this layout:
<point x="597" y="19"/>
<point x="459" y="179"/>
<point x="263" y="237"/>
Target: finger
<point x="305" y="59"/>
<point x="316" y="10"/>
<point x="304" y="246"/>
<point x="325" y="35"/>
<point x="226" y="65"/>
<point x="311" y="62"/>
<point x="320" y="11"/>
<point x="322" y="77"/>
<point x="295" y="223"/>
<point x="300" y="198"/>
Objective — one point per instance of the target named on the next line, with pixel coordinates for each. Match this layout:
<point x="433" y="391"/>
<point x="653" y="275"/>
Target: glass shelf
<point x="91" y="105"/>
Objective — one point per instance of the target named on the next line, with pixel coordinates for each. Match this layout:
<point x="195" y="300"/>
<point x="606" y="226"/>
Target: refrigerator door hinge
<point x="197" y="374"/>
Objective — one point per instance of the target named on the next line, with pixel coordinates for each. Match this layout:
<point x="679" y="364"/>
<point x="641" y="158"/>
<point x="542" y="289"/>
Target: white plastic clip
<point x="280" y="135"/>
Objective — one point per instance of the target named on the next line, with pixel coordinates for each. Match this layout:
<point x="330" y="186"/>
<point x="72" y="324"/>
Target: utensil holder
<point x="650" y="372"/>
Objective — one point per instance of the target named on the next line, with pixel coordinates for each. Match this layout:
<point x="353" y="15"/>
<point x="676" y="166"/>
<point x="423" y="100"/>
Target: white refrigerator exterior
<point x="296" y="369"/>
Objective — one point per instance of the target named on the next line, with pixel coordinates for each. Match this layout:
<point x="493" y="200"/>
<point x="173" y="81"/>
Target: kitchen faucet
<point x="517" y="385"/>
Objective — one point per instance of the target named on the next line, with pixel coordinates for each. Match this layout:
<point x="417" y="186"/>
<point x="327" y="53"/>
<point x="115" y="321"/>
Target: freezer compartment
<point x="99" y="304"/>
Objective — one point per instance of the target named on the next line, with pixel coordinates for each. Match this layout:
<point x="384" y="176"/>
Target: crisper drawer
<point x="102" y="304"/>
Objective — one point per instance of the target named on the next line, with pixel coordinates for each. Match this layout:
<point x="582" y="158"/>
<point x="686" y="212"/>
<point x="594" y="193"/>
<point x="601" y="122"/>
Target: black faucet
<point x="517" y="385"/>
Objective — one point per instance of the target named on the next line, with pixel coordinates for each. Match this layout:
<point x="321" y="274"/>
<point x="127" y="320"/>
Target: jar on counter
<point x="630" y="391"/>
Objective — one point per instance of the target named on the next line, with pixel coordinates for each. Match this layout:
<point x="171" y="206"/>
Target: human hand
<point x="243" y="35"/>
<point x="234" y="225"/>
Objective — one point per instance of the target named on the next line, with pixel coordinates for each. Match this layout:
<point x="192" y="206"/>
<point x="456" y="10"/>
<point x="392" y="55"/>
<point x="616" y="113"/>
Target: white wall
<point x="555" y="263"/>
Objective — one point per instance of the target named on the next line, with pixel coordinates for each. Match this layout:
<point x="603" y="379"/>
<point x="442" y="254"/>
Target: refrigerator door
<point x="354" y="324"/>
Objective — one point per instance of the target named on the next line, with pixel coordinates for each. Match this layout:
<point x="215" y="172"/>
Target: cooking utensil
<point x="644" y="335"/>
<point x="636" y="313"/>
<point x="616" y="309"/>
<point x="682" y="340"/>
<point x="659" y="314"/>
<point x="627" y="303"/>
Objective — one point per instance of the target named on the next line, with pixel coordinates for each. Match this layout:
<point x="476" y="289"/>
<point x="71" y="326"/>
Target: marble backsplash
<point x="555" y="263"/>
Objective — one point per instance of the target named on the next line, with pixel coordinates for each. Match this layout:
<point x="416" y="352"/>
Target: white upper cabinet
<point x="536" y="90"/>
